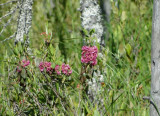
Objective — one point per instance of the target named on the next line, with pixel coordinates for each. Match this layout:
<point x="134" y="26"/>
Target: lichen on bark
<point x="91" y="17"/>
<point x="24" y="20"/>
<point x="155" y="61"/>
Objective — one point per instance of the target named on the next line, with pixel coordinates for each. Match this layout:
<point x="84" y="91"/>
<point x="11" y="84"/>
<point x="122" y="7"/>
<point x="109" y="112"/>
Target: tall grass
<point x="125" y="65"/>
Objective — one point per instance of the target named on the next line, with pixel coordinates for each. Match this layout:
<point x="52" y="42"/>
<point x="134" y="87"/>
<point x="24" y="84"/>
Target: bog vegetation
<point x="48" y="81"/>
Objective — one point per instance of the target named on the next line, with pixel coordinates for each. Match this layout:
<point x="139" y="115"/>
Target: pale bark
<point x="106" y="8"/>
<point x="91" y="19"/>
<point x="155" y="60"/>
<point x="52" y="3"/>
<point x="117" y="3"/>
<point x="24" y="20"/>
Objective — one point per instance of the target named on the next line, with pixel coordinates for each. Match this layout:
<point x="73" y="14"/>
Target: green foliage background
<point x="127" y="68"/>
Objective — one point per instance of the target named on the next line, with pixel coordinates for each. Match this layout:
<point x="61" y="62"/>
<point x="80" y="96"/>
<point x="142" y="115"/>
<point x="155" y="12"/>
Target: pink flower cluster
<point x="89" y="55"/>
<point x="47" y="66"/>
<point x="23" y="64"/>
<point x="19" y="69"/>
<point x="65" y="68"/>
<point x="45" y="35"/>
<point x="58" y="69"/>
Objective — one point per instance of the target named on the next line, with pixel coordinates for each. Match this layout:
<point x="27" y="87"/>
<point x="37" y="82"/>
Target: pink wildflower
<point x="78" y="86"/>
<point x="45" y="35"/>
<point x="57" y="69"/>
<point x="47" y="66"/>
<point x="22" y="64"/>
<point x="19" y="69"/>
<point x="89" y="55"/>
<point x="41" y="66"/>
<point x="66" y="69"/>
<point x="25" y="63"/>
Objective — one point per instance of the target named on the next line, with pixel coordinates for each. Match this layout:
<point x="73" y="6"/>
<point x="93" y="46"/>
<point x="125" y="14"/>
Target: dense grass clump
<point x="48" y="82"/>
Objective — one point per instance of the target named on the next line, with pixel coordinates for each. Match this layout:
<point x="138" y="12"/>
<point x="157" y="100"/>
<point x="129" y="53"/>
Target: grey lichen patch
<point x="91" y="17"/>
<point x="24" y="20"/>
<point x="95" y="89"/>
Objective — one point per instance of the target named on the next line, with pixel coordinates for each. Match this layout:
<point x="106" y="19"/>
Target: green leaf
<point x="53" y="65"/>
<point x="123" y="16"/>
<point x="37" y="52"/>
<point x="58" y="62"/>
<point x="15" y="51"/>
<point x="52" y="50"/>
<point x="92" y="31"/>
<point x="128" y="49"/>
<point x="20" y="47"/>
<point x="63" y="80"/>
<point x="96" y="113"/>
<point x="85" y="32"/>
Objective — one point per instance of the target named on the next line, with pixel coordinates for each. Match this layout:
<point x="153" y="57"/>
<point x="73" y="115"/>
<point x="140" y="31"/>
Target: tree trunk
<point x="91" y="19"/>
<point x="106" y="10"/>
<point x="24" y="21"/>
<point x="155" y="61"/>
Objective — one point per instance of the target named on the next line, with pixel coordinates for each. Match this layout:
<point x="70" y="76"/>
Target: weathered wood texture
<point x="155" y="60"/>
<point x="91" y="17"/>
<point x="106" y="6"/>
<point x="106" y="10"/>
<point x="24" y="20"/>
